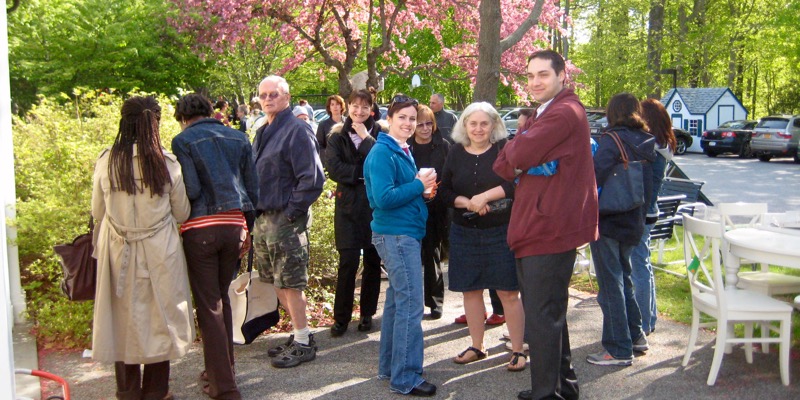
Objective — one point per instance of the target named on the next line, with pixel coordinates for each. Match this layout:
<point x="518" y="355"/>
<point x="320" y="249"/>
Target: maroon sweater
<point x="552" y="214"/>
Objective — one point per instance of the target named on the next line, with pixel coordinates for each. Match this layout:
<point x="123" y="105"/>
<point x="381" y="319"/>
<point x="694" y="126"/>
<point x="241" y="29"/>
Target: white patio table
<point x="772" y="245"/>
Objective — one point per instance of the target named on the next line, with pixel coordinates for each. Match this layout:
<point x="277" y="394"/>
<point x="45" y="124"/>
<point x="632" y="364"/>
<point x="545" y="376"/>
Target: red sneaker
<point x="496" y="319"/>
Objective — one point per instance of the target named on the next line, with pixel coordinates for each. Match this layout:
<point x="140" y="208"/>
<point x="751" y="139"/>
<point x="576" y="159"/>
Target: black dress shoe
<point x="366" y="324"/>
<point x="424" y="389"/>
<point x="436" y="314"/>
<point x="525" y="395"/>
<point x="338" y="329"/>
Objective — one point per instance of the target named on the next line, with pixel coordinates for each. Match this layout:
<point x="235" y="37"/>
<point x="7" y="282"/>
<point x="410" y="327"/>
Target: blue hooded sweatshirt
<point x="394" y="193"/>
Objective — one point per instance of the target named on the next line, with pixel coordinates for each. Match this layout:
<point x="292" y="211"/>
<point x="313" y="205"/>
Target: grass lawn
<point x="673" y="293"/>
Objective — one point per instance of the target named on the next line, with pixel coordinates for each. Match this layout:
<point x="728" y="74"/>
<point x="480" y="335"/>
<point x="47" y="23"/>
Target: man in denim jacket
<point x="290" y="178"/>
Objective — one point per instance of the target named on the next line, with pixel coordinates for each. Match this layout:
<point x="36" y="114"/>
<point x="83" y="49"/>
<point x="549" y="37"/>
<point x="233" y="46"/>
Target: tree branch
<point x="527" y="24"/>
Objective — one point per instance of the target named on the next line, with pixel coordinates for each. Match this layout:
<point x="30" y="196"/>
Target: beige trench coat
<point x="143" y="307"/>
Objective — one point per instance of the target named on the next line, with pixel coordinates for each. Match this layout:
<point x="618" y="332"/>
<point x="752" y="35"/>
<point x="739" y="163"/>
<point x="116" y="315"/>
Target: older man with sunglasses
<point x="290" y="180"/>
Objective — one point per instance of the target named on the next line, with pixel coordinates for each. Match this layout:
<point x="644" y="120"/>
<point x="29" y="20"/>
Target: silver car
<point x="776" y="136"/>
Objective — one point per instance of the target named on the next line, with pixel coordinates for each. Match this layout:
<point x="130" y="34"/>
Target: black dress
<point x="479" y="253"/>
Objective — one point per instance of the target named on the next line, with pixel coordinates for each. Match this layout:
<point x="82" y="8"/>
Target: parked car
<point x="683" y="138"/>
<point x="597" y="124"/>
<point x="321" y="115"/>
<point x="776" y="136"/>
<point x="510" y="119"/>
<point x="730" y="137"/>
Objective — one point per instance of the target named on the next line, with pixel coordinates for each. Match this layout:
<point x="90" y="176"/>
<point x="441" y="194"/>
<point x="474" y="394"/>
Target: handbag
<point x="623" y="190"/>
<point x="254" y="305"/>
<point x="495" y="207"/>
<point x="78" y="266"/>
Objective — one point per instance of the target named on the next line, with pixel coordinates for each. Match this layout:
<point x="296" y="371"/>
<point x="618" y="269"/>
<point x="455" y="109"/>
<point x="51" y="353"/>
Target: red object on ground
<point x="47" y="375"/>
<point x="496" y="319"/>
<point x="463" y="318"/>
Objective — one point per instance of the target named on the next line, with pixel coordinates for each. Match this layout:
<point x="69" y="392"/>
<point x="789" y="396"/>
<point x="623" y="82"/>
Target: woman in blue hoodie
<point x="395" y="193"/>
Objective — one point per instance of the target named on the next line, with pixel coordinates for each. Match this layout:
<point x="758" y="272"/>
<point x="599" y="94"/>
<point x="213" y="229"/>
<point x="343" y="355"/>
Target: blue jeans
<point x="401" y="356"/>
<point x="622" y="322"/>
<point x="644" y="285"/>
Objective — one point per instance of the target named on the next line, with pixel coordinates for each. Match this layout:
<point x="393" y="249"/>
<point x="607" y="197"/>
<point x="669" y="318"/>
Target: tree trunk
<point x="345" y="88"/>
<point x="488" y="77"/>
<point x="655" y="32"/>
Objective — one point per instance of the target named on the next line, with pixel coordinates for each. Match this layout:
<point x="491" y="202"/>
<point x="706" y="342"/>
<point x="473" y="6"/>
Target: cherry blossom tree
<point x="497" y="35"/>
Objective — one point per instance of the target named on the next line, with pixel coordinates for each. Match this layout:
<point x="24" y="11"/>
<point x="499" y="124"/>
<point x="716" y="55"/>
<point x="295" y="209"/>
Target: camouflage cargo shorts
<point x="281" y="250"/>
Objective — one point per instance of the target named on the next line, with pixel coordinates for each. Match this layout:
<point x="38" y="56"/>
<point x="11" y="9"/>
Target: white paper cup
<point x="426" y="172"/>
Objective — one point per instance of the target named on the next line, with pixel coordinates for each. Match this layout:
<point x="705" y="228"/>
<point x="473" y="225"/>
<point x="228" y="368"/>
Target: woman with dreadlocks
<point x="143" y="307"/>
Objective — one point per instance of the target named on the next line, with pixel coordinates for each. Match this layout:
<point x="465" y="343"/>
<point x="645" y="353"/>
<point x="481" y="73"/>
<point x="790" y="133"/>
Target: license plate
<point x="712" y="144"/>
<point x="767" y="136"/>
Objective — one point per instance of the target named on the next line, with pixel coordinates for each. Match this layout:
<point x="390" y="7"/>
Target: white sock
<point x="301" y="335"/>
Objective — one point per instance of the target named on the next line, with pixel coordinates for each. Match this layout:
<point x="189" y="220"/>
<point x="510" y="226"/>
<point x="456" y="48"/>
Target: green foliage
<point x="750" y="47"/>
<point x="57" y="45"/>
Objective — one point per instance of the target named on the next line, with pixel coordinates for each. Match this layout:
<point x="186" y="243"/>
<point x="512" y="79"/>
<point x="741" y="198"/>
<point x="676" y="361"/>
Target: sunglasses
<point x="428" y="124"/>
<point x="402" y="99"/>
<point x="272" y="96"/>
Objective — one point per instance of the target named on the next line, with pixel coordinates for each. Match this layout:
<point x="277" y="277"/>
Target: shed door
<point x="726" y="113"/>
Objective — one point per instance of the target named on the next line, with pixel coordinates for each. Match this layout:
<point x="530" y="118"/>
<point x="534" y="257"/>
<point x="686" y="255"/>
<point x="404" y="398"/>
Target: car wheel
<point x="745" y="151"/>
<point x="681" y="146"/>
<point x="764" y="157"/>
<point x="711" y="154"/>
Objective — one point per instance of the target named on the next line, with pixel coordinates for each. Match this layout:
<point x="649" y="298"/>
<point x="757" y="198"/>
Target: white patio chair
<point x="763" y="281"/>
<point x="727" y="307"/>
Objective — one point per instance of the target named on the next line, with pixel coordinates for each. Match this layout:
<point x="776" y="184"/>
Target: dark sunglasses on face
<point x="402" y="99"/>
<point x="272" y="96"/>
<point x="428" y="124"/>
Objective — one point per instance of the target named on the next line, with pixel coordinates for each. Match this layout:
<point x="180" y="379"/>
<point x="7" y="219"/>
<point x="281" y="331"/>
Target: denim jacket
<point x="218" y="168"/>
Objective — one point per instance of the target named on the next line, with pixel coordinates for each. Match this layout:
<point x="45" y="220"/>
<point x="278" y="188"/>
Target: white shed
<point x="697" y="109"/>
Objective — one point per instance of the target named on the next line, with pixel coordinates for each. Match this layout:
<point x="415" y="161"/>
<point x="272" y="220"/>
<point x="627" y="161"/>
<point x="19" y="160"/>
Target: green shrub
<point x="55" y="147"/>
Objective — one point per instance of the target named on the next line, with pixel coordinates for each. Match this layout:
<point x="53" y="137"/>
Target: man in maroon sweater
<point x="552" y="216"/>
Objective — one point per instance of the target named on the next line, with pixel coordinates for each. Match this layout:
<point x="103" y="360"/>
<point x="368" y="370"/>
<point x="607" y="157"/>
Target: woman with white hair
<point x="479" y="255"/>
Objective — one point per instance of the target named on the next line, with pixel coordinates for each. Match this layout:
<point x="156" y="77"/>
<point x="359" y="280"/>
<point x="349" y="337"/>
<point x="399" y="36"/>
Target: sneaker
<point x="641" y="345"/>
<point x="525" y="347"/>
<point x="297" y="354"/>
<point x="496" y="319"/>
<point x="603" y="358"/>
<point x="281" y="348"/>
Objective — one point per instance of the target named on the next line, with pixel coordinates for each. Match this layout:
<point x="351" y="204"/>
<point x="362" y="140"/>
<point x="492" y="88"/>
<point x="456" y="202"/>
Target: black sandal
<point x="512" y="364"/>
<point x="479" y="355"/>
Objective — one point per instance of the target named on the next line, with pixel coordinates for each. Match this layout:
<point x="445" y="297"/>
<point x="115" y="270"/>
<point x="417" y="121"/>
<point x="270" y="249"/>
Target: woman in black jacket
<point x="430" y="151"/>
<point x="620" y="233"/>
<point x="348" y="145"/>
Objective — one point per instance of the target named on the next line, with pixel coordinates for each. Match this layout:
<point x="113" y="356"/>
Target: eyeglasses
<point x="272" y="96"/>
<point x="428" y="124"/>
<point x="402" y="99"/>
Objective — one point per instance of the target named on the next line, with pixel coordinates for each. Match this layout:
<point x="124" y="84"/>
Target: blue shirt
<point x="394" y="192"/>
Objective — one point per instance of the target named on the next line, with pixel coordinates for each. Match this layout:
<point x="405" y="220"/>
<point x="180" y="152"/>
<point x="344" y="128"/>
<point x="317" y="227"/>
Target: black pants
<point x="131" y="386"/>
<point x="497" y="305"/>
<point x="346" y="283"/>
<point x="544" y="284"/>
<point x="212" y="257"/>
<point x="433" y="279"/>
